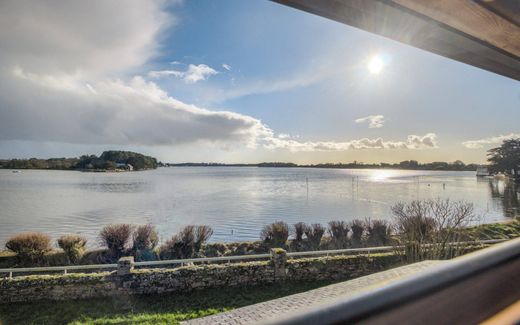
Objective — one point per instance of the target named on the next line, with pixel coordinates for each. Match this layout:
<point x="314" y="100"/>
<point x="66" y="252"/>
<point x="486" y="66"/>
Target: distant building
<point x="124" y="166"/>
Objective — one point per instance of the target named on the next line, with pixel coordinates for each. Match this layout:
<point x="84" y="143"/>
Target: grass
<point x="505" y="230"/>
<point x="157" y="309"/>
<point x="6" y="253"/>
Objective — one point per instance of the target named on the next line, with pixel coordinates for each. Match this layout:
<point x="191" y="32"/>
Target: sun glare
<point x="375" y="65"/>
<point x="380" y="175"/>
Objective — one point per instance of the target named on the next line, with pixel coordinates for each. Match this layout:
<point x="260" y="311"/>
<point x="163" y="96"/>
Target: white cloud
<point x="226" y="66"/>
<point x="374" y="121"/>
<point x="477" y="144"/>
<point x="427" y="141"/>
<point x="193" y="74"/>
<point x="64" y="79"/>
<point x="81" y="38"/>
<point x="198" y="72"/>
<point x="136" y="112"/>
<point x="163" y="73"/>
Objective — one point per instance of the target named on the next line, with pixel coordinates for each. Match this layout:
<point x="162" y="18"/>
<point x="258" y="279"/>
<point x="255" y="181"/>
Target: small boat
<point x="16" y="171"/>
<point x="482" y="171"/>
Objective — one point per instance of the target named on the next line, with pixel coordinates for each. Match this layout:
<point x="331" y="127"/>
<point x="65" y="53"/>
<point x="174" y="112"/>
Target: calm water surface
<point x="236" y="202"/>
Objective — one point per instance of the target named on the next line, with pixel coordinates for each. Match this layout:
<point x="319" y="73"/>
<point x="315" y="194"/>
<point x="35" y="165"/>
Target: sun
<point x="375" y="65"/>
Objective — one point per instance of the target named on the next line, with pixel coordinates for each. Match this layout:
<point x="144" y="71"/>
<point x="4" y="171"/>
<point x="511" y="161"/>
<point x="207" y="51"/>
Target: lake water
<point x="236" y="202"/>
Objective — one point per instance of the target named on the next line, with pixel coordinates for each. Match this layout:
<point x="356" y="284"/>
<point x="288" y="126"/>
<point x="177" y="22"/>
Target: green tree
<point x="110" y="165"/>
<point x="506" y="158"/>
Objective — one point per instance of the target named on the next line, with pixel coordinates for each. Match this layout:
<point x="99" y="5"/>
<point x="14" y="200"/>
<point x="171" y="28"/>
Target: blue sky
<point x="241" y="81"/>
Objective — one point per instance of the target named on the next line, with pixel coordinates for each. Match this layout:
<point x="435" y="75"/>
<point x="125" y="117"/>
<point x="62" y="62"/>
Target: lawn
<point x="159" y="309"/>
<point x="509" y="229"/>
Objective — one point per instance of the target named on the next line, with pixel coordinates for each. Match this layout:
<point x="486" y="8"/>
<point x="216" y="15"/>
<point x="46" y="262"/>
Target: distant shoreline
<point x="81" y="170"/>
<point x="119" y="161"/>
<point x="241" y="165"/>
<point x="440" y="166"/>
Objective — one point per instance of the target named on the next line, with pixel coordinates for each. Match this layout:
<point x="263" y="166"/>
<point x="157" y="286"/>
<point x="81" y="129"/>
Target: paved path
<point x="281" y="306"/>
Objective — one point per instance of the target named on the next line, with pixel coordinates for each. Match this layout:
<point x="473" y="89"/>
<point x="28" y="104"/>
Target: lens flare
<point x="375" y="65"/>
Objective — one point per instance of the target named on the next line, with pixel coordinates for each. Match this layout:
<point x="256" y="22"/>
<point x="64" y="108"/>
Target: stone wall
<point x="340" y="267"/>
<point x="127" y="281"/>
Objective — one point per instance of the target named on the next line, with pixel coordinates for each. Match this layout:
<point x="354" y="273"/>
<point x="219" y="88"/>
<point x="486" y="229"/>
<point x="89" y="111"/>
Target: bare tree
<point x="427" y="229"/>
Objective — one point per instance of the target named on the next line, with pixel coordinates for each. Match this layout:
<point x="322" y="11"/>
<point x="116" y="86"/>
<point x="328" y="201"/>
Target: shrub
<point x="358" y="230"/>
<point x="145" y="237"/>
<point x="186" y="243"/>
<point x="314" y="233"/>
<point x="215" y="250"/>
<point x="116" y="238"/>
<point x="30" y="245"/>
<point x="435" y="223"/>
<point x="171" y="249"/>
<point x="73" y="246"/>
<point x="245" y="248"/>
<point x="379" y="232"/>
<point x="202" y="235"/>
<point x="275" y="234"/>
<point x="299" y="230"/>
<point x="145" y="255"/>
<point x="338" y="231"/>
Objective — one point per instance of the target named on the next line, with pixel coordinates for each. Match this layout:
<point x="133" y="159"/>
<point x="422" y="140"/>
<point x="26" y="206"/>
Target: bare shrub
<point x="426" y="228"/>
<point x="378" y="232"/>
<point x="314" y="233"/>
<point x="73" y="246"/>
<point x="186" y="243"/>
<point x="202" y="234"/>
<point x="29" y="246"/>
<point x="358" y="230"/>
<point x="215" y="250"/>
<point x="145" y="237"/>
<point x="116" y="238"/>
<point x="275" y="234"/>
<point x="299" y="230"/>
<point x="338" y="231"/>
<point x="171" y="249"/>
<point x="249" y="248"/>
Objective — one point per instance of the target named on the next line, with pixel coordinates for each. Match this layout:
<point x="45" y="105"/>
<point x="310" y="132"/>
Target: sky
<point x="235" y="81"/>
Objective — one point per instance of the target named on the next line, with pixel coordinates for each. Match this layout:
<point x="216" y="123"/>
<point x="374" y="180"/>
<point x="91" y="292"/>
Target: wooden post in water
<point x="307" y="182"/>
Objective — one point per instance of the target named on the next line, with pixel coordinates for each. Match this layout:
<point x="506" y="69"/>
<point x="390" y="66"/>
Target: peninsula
<point x="112" y="160"/>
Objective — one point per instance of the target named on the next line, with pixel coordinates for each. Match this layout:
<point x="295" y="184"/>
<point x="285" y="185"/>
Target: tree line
<point x="503" y="159"/>
<point x="109" y="160"/>
<point x="407" y="164"/>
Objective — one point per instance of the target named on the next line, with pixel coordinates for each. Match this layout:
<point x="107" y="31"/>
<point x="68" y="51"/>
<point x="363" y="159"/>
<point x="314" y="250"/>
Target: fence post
<point x="279" y="260"/>
<point x="125" y="265"/>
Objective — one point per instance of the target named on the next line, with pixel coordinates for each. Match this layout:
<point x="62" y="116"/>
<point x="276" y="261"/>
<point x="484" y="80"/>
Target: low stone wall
<point x="340" y="267"/>
<point x="127" y="281"/>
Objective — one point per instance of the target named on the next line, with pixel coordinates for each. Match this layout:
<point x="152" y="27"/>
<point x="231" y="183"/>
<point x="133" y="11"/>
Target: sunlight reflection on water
<point x="236" y="202"/>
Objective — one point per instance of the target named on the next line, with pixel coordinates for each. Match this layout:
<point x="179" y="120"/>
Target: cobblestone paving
<point x="281" y="306"/>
